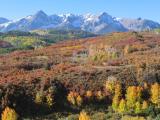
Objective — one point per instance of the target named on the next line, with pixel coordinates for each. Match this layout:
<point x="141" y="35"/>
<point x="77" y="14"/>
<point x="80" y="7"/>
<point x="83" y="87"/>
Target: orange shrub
<point x="144" y="105"/>
<point x="71" y="98"/>
<point x="75" y="99"/>
<point x="79" y="100"/>
<point x="84" y="116"/>
<point x="89" y="94"/>
<point x="99" y="95"/>
<point x="9" y="114"/>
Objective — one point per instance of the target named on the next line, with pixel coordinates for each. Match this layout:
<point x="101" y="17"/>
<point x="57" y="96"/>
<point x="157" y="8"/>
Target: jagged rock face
<point x="139" y="24"/>
<point x="100" y="24"/>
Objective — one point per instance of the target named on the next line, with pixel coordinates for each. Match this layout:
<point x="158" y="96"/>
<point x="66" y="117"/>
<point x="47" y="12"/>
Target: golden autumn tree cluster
<point x="42" y="98"/>
<point x="133" y="100"/>
<point x="133" y="96"/>
<point x="75" y="99"/>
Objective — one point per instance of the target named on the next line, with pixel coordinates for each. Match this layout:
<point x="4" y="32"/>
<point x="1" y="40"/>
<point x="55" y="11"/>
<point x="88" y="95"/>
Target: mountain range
<point x="99" y="24"/>
<point x="3" y="20"/>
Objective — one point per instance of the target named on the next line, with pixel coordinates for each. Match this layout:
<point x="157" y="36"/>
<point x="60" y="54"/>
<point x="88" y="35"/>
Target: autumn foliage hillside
<point x="80" y="69"/>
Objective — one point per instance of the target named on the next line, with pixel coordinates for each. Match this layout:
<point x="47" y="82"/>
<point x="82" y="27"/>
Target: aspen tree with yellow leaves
<point x="131" y="97"/>
<point x="79" y="100"/>
<point x="122" y="106"/>
<point x="155" y="94"/>
<point x="137" y="107"/>
<point x="117" y="97"/>
<point x="71" y="98"/>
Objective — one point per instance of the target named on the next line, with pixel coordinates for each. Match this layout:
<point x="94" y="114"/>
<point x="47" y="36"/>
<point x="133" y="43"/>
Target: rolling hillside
<point x="19" y="40"/>
<point x="64" y="78"/>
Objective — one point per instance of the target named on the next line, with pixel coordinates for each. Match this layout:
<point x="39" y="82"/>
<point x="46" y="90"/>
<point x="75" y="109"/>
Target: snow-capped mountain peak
<point x="40" y="14"/>
<point x="100" y="23"/>
<point x="89" y="17"/>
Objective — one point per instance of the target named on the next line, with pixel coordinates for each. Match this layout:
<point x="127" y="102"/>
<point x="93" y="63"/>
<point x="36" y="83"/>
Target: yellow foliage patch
<point x="84" y="116"/>
<point x="9" y="114"/>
